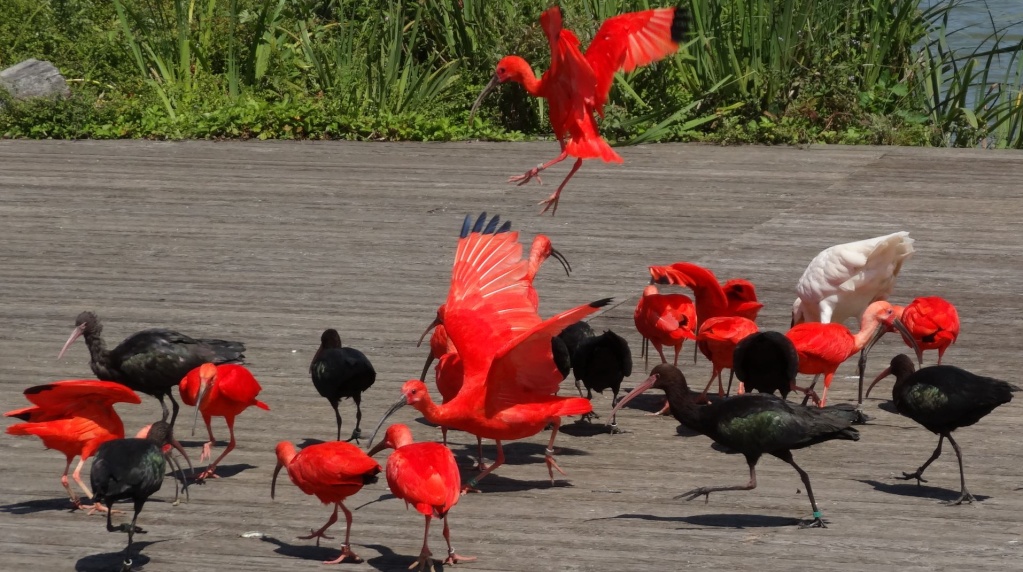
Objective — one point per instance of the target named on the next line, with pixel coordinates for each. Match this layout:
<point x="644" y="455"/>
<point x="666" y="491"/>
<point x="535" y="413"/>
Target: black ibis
<point x="602" y="362"/>
<point x="151" y="361"/>
<point x="943" y="398"/>
<point x="340" y="372"/>
<point x="752" y="424"/>
<point x="767" y="362"/>
<point x="130" y="469"/>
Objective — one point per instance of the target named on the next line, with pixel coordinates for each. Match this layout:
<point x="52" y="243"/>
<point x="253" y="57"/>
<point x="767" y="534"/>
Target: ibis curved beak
<point x="426" y="368"/>
<point x="203" y="390"/>
<point x="379" y="447"/>
<point x="436" y="322"/>
<point x="882" y="375"/>
<point x="75" y="334"/>
<point x="908" y="337"/>
<point x="486" y="91"/>
<point x="647" y="384"/>
<point x="174" y="443"/>
<point x="564" y="261"/>
<point x="273" y="483"/>
<point x="390" y="411"/>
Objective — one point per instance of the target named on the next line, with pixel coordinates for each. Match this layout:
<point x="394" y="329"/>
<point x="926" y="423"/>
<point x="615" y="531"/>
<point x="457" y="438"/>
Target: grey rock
<point x="33" y="78"/>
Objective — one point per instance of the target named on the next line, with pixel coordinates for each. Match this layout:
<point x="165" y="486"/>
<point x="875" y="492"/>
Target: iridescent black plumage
<point x="753" y="424"/>
<point x="943" y="398"/>
<point x="766" y="362"/>
<point x="602" y="362"/>
<point x="340" y="372"/>
<point x="130" y="469"/>
<point x="151" y="361"/>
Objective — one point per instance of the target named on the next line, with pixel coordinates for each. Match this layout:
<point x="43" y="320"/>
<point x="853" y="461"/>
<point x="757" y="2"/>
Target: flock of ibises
<point x="500" y="366"/>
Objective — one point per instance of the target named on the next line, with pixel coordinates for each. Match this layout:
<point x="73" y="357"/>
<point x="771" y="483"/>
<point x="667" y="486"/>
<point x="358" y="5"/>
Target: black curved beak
<point x="436" y="322"/>
<point x="390" y="411"/>
<point x="486" y="91"/>
<point x="564" y="261"/>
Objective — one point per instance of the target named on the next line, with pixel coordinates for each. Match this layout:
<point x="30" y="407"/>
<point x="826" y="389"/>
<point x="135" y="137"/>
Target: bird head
<point x="542" y="249"/>
<point x="207" y="377"/>
<point x="86" y="322"/>
<point x="397" y="435"/>
<point x="901" y="366"/>
<point x="413" y="393"/>
<point x="330" y="338"/>
<point x="285" y="453"/>
<point x="661" y="377"/>
<point x="883" y="316"/>
<point x="742" y="298"/>
<point x="651" y="290"/>
<point x="510" y="68"/>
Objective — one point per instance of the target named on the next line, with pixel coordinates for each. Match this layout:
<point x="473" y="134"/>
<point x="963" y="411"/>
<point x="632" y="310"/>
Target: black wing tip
<point x="481" y="225"/>
<point x="681" y="24"/>
<point x="601" y="303"/>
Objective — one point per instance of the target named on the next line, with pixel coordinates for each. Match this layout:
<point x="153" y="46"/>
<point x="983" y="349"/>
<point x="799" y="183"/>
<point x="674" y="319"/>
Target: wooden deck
<point x="270" y="243"/>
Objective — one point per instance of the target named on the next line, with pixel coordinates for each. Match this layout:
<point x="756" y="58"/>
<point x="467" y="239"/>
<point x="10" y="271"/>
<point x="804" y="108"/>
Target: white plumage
<point x="844" y="279"/>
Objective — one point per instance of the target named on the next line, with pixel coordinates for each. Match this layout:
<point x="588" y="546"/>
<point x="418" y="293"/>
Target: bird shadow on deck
<point x="721" y="520"/>
<point x="911" y="489"/>
<point x="582" y="428"/>
<point x="307" y="551"/>
<point x="39" y="505"/>
<point x="390" y="560"/>
<point x="224" y="472"/>
<point x="108" y="561"/>
<point x="495" y="483"/>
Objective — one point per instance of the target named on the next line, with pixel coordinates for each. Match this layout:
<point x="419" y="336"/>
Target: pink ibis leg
<point x="549" y="457"/>
<point x="552" y="201"/>
<point x="346" y="550"/>
<point x="209" y="473"/>
<point x="471" y="486"/>
<point x="535" y="171"/>
<point x="452" y="557"/>
<point x="322" y="532"/>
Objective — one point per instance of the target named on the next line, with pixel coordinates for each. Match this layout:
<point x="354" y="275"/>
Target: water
<point x="972" y="22"/>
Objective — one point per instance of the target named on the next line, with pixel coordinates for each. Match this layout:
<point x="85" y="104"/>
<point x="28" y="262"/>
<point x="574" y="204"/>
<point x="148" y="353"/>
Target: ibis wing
<point x="631" y="40"/>
<point x="816" y="341"/>
<point x="73" y="394"/>
<point x="422" y="476"/>
<point x="237" y="383"/>
<point x="525" y="366"/>
<point x="333" y="463"/>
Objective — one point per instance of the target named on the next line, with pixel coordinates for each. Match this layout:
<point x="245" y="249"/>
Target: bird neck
<point x="522" y="73"/>
<point x="683" y="405"/>
<point x="868" y="329"/>
<point x="98" y="352"/>
<point x="430" y="410"/>
<point x="285" y="453"/>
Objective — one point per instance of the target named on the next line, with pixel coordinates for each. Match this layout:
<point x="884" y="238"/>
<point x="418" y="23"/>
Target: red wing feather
<point x="55" y="399"/>
<point x="237" y="383"/>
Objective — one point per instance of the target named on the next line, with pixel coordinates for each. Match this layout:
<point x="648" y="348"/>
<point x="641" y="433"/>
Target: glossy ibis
<point x="219" y="391"/>
<point x="932" y="321"/>
<point x="331" y="472"/>
<point x="766" y="362"/>
<point x="842" y="280"/>
<point x="752" y="424"/>
<point x="576" y="86"/>
<point x="151" y="361"/>
<point x="338" y="373"/>
<point x="74" y="417"/>
<point x="509" y="375"/>
<point x="943" y="398"/>
<point x="425" y="476"/>
<point x="602" y="362"/>
<point x="130" y="469"/>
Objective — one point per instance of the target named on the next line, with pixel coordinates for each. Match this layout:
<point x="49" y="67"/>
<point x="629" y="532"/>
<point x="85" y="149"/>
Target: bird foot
<point x="98" y="507"/>
<point x="356" y="435"/>
<point x="346" y="556"/>
<point x="589" y="417"/>
<point x="695" y="493"/>
<point x="552" y="465"/>
<point x="126" y="527"/>
<point x="964" y="497"/>
<point x="917" y="475"/>
<point x="529" y="175"/>
<point x="457" y="559"/>
<point x="663" y="410"/>
<point x="317" y="534"/>
<point x="550" y="203"/>
<point x="209" y="473"/>
<point x="614" y="429"/>
<point x="467" y="489"/>
<point x="126" y="565"/>
<point x="817" y="522"/>
<point x="206" y="452"/>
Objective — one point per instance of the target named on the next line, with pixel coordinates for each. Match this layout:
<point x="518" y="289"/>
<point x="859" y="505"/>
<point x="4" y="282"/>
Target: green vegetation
<point x="778" y="71"/>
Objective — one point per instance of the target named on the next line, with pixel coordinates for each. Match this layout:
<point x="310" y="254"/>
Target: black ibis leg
<point x="705" y="491"/>
<point x="731" y="376"/>
<point x="470" y="487"/>
<point x="321" y="533"/>
<point x="358" y="418"/>
<point x="614" y="420"/>
<point x="337" y="415"/>
<point x="346" y="550"/>
<point x="919" y="474"/>
<point x="174" y="405"/>
<point x="817" y="522"/>
<point x="964" y="494"/>
<point x="696" y="349"/>
<point x="579" y="387"/>
<point x="862" y="366"/>
<point x="452" y="557"/>
<point x="163" y="405"/>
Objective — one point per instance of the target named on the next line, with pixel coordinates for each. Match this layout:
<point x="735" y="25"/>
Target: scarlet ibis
<point x="331" y="472"/>
<point x="823" y="347"/>
<point x="752" y="424"/>
<point x="933" y="321"/>
<point x="541" y="250"/>
<point x="737" y="297"/>
<point x="943" y="398"/>
<point x="841" y="281"/>
<point x="130" y="469"/>
<point x="509" y="375"/>
<point x="576" y="86"/>
<point x="425" y="476"/>
<point x="766" y="362"/>
<point x="665" y="320"/>
<point x="602" y="362"/>
<point x="717" y="340"/>
<point x="74" y="417"/>
<point x="340" y="372"/>
<point x="151" y="361"/>
<point x="219" y="391"/>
